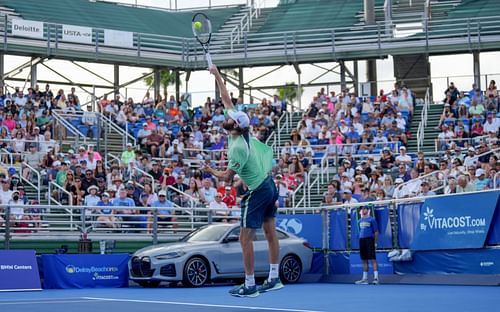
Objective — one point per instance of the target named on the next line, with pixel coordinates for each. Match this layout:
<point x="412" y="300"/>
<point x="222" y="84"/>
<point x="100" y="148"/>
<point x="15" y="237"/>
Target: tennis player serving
<point x="252" y="161"/>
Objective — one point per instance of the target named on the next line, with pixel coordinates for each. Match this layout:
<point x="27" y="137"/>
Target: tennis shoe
<point x="274" y="284"/>
<point x="362" y="282"/>
<point x="242" y="291"/>
<point x="375" y="282"/>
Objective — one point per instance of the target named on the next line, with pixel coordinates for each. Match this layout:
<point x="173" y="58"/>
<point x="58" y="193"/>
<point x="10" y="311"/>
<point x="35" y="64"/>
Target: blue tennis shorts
<point x="259" y="205"/>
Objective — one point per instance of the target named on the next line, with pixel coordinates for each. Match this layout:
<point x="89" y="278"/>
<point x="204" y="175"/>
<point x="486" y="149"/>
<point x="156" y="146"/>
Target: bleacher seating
<point x="107" y="15"/>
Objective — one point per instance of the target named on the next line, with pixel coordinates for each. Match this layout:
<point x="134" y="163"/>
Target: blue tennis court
<point x="293" y="298"/>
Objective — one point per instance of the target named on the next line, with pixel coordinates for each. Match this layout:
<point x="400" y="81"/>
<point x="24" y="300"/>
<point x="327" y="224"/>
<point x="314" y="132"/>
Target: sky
<point x="444" y="69"/>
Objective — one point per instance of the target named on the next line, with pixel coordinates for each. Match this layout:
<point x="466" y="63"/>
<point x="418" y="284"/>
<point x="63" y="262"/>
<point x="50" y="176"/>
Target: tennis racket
<point x="202" y="30"/>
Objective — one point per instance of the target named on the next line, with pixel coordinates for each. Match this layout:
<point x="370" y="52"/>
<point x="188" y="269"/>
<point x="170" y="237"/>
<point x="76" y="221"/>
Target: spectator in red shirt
<point x="228" y="198"/>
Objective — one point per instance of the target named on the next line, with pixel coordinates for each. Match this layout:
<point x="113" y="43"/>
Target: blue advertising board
<point x="455" y="222"/>
<point x="19" y="270"/>
<point x="338" y="229"/>
<point x="477" y="261"/>
<point x="384" y="265"/>
<point x="85" y="271"/>
<point x="408" y="216"/>
<point x="305" y="226"/>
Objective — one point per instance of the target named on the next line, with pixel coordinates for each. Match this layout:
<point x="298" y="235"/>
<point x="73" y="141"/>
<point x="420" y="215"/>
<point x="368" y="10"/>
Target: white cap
<point x="129" y="144"/>
<point x="144" y="124"/>
<point x="480" y="172"/>
<point x="399" y="180"/>
<point x="240" y="118"/>
<point x="175" y="142"/>
<point x="162" y="120"/>
<point x="162" y="193"/>
<point x="472" y="149"/>
<point x="56" y="163"/>
<point x="402" y="148"/>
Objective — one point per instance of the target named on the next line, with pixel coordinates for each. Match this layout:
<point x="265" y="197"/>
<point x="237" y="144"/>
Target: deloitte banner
<point x="85" y="271"/>
<point x="18" y="270"/>
<point x="455" y="222"/>
<point x="26" y="28"/>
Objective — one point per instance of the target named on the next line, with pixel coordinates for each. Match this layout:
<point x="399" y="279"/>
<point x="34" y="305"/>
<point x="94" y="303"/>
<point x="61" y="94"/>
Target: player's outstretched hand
<point x="213" y="69"/>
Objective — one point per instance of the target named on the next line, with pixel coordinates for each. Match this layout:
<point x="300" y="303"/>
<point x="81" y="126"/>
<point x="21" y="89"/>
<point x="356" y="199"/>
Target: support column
<point x="371" y="74"/>
<point x="33" y="73"/>
<point x="156" y="83"/>
<point x="2" y="69"/>
<point x="178" y="85"/>
<point x="241" y="84"/>
<point x="477" y="68"/>
<point x="299" y="85"/>
<point x="342" y="76"/>
<point x="116" y="80"/>
<point x="188" y="75"/>
<point x="356" y="78"/>
<point x="371" y="65"/>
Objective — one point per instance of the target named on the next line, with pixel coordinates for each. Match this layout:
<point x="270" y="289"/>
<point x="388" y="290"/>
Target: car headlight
<point x="170" y="255"/>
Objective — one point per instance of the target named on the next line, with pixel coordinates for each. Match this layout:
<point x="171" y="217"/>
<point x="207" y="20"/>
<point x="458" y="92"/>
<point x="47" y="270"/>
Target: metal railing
<point x="272" y="47"/>
<point x="35" y="172"/>
<point x="423" y="121"/>
<point x="131" y="223"/>
<point x="388" y="16"/>
<point x="470" y="141"/>
<point x="245" y="24"/>
<point x="64" y="120"/>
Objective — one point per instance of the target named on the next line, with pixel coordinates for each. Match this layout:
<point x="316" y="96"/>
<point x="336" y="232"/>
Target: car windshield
<point x="206" y="234"/>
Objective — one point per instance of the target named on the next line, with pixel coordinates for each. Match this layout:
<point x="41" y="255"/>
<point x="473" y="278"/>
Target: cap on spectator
<point x="15" y="191"/>
<point x="227" y="188"/>
<point x="480" y="172"/>
<point x="209" y="123"/>
<point x="92" y="187"/>
<point x="399" y="114"/>
<point x="424" y="183"/>
<point x="12" y="170"/>
<point x="162" y="193"/>
<point x="70" y="151"/>
<point x="240" y="118"/>
<point x="472" y="149"/>
<point x="386" y="149"/>
<point x="105" y="194"/>
<point x="359" y="168"/>
<point x="346" y="162"/>
<point x="56" y="163"/>
<point x="162" y="120"/>
<point x="322" y="110"/>
<point x="300" y="150"/>
<point x="347" y="191"/>
<point x="175" y="142"/>
<point x="129" y="145"/>
<point x="398" y="181"/>
<point x="342" y="121"/>
<point x="145" y="124"/>
<point x="279" y="176"/>
<point x="402" y="148"/>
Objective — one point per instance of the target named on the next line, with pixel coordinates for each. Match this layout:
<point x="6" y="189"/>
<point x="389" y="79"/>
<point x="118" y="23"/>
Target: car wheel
<point x="290" y="269"/>
<point x="196" y="272"/>
<point x="149" y="284"/>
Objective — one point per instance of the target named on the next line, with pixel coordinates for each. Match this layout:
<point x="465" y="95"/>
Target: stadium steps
<point x="430" y="132"/>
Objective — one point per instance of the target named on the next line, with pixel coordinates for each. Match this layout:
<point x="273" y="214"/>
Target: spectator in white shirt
<point x="491" y="124"/>
<point x="403" y="158"/>
<point x="219" y="208"/>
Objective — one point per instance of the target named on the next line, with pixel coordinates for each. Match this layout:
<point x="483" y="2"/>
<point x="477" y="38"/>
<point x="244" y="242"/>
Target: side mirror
<point x="232" y="239"/>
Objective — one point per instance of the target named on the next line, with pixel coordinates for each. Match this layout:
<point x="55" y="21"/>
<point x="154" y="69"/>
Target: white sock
<point x="375" y="274"/>
<point x="365" y="275"/>
<point x="273" y="271"/>
<point x="249" y="281"/>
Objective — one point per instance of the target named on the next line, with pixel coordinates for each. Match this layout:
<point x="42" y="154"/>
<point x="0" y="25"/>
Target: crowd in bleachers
<point x="468" y="114"/>
<point x="365" y="138"/>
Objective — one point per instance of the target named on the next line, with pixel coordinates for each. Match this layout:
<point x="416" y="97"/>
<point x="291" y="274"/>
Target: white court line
<point x="199" y="304"/>
<point x="44" y="302"/>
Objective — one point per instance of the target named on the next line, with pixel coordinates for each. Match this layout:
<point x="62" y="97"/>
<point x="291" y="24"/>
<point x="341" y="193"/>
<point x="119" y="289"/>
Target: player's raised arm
<point x="226" y="99"/>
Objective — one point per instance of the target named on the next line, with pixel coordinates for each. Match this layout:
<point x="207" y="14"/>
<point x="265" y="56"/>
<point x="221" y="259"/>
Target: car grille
<point x="141" y="267"/>
<point x="168" y="270"/>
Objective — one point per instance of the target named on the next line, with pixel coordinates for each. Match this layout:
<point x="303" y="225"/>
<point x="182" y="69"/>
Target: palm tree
<point x="167" y="78"/>
<point x="289" y="92"/>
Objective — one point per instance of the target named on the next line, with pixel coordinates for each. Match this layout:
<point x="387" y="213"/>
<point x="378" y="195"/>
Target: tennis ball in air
<point x="198" y="25"/>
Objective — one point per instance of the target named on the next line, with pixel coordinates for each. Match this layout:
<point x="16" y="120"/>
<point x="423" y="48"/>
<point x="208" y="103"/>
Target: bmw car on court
<point x="213" y="252"/>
